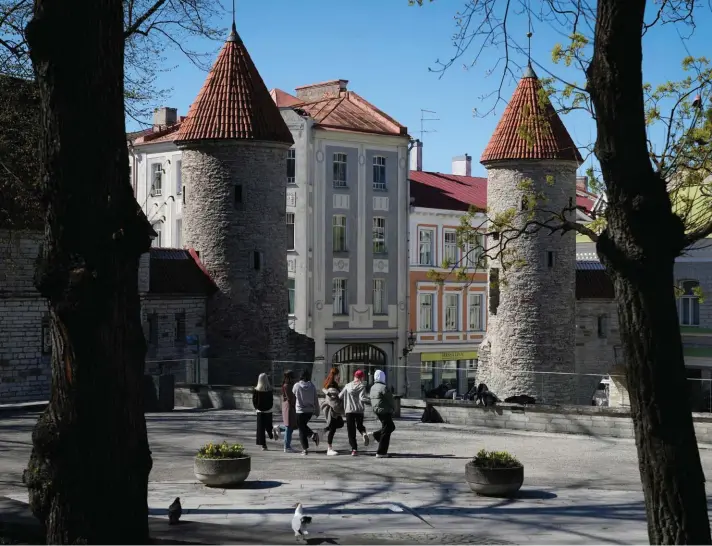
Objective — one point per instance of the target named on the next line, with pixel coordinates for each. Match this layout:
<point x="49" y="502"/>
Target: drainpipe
<point x="411" y="143"/>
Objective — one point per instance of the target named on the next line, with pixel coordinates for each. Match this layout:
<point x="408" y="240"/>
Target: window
<point x="379" y="173"/>
<point x="379" y="235"/>
<point x="179" y="234"/>
<point x="339" y="170"/>
<point x="689" y="304"/>
<point x="179" y="177"/>
<point x="339" y="233"/>
<point x="379" y="296"/>
<point x="451" y="312"/>
<point x="550" y="259"/>
<point x="158" y="228"/>
<point x="339" y="296"/>
<point x="256" y="260"/>
<point x="474" y="313"/>
<point x="290" y="294"/>
<point x="180" y="327"/>
<point x="291" y="166"/>
<point x="425" y="244"/>
<point x="238" y="195"/>
<point x="425" y="316"/>
<point x="290" y="231"/>
<point x="602" y="326"/>
<point x="474" y="251"/>
<point x="46" y="337"/>
<point x="450" y="250"/>
<point x="156" y="179"/>
<point x="153" y="329"/>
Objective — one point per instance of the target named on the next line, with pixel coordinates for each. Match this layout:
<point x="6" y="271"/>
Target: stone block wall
<point x="597" y="336"/>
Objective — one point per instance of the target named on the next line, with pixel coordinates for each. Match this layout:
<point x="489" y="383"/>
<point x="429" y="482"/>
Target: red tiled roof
<point x="282" y="98"/>
<point x="178" y="271"/>
<point x="167" y="134"/>
<point x="592" y="282"/>
<point x="546" y="136"/>
<point x="348" y="111"/>
<point x="447" y="191"/>
<point x="234" y="102"/>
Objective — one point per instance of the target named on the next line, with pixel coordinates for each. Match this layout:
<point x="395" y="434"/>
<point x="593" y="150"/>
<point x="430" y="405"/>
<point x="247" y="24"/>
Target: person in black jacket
<point x="263" y="402"/>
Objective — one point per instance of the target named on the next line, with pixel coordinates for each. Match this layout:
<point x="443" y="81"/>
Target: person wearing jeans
<point x="289" y="410"/>
<point x="262" y="401"/>
<point x="383" y="406"/>
<point x="354" y="397"/>
<point x="307" y="406"/>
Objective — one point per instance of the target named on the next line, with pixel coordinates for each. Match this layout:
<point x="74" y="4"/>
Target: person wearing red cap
<point x="354" y="396"/>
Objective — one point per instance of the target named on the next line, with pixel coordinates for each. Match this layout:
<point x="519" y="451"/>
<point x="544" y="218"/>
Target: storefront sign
<point x="451" y="355"/>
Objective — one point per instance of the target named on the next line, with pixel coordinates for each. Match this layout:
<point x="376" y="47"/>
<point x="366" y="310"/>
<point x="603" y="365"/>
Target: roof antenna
<point x="233" y="32"/>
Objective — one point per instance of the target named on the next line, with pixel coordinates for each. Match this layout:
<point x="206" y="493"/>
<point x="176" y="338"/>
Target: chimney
<point x="416" y="156"/>
<point x="582" y="183"/>
<point x="164" y="117"/>
<point x="462" y="165"/>
<point x="318" y="91"/>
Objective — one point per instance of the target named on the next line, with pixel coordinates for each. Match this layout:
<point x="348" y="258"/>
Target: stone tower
<point x="531" y="328"/>
<point x="234" y="143"/>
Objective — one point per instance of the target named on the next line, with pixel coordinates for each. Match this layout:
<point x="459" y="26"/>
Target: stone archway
<point x="364" y="356"/>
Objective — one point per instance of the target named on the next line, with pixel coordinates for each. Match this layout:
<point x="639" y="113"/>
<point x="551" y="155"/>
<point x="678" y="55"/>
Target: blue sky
<point x="384" y="48"/>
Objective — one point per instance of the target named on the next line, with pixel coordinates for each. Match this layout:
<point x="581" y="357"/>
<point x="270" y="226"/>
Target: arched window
<point x="689" y="303"/>
<point x="158" y="228"/>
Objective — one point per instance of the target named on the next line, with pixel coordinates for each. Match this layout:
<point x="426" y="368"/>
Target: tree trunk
<point x="639" y="247"/>
<point x="88" y="472"/>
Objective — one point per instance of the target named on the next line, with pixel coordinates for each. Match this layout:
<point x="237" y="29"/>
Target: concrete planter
<point x="494" y="482"/>
<point x="217" y="472"/>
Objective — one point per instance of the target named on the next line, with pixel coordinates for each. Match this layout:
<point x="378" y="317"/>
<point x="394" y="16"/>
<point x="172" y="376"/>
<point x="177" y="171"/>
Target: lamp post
<point x="410" y="343"/>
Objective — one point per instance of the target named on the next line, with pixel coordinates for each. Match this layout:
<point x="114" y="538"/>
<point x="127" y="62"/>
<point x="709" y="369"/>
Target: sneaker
<point x="331" y="452"/>
<point x="315" y="438"/>
<point x="354" y="453"/>
<point x="264" y="448"/>
<point x="366" y="439"/>
<point x="275" y="433"/>
<point x="382" y="456"/>
<point x="290" y="450"/>
<point x="305" y="452"/>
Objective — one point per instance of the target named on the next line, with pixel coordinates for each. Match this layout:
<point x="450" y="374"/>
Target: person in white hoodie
<point x="354" y="396"/>
<point x="307" y="406"/>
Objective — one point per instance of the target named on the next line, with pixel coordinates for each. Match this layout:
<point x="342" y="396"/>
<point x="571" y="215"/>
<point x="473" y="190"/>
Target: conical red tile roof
<point x="234" y="102"/>
<point x="530" y="128"/>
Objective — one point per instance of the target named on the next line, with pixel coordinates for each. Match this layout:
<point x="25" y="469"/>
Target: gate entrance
<point x="357" y="356"/>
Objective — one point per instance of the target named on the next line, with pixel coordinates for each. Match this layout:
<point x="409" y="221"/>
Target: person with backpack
<point x="333" y="408"/>
<point x="354" y="396"/>
<point x="383" y="405"/>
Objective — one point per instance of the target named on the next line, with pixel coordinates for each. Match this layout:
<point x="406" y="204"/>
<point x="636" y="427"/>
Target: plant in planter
<point x="494" y="474"/>
<point x="222" y="464"/>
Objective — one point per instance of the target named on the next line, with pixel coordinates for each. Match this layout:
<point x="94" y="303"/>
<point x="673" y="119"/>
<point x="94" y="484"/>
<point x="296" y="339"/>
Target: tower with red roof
<point x="234" y="143"/>
<point x="530" y="343"/>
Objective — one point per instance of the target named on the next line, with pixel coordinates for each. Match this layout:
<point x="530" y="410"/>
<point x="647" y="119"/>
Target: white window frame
<point x="426" y="312"/>
<point x="450" y="249"/>
<point x="178" y="235"/>
<point x="379" y="173"/>
<point x="292" y="159"/>
<point x="340" y="228"/>
<point x="291" y="296"/>
<point x="291" y="243"/>
<point x="156" y="188"/>
<point x="179" y="176"/>
<point x="379" y="235"/>
<point x="474" y="251"/>
<point x="158" y="228"/>
<point x="339" y="293"/>
<point x="689" y="300"/>
<point x="431" y="245"/>
<point x="379" y="297"/>
<point x="475" y="315"/>
<point x="340" y="173"/>
<point x="451" y="314"/>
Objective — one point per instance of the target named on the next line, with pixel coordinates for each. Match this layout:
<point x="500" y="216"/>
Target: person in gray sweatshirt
<point x="354" y="396"/>
<point x="307" y="406"/>
<point x="383" y="406"/>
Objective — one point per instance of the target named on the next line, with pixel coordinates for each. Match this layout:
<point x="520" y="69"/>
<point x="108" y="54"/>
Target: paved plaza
<point x="577" y="489"/>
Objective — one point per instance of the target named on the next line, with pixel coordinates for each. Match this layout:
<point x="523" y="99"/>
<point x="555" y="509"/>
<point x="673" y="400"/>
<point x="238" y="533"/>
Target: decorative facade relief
<point x="291" y="265"/>
<point x="380" y="266"/>
<point x="380" y="203"/>
<point x="341" y="201"/>
<point x="291" y="199"/>
<point x="341" y="265"/>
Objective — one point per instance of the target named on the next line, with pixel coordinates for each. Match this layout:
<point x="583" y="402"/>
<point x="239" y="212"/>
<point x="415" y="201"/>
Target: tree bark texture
<point x="88" y="472"/>
<point x="639" y="246"/>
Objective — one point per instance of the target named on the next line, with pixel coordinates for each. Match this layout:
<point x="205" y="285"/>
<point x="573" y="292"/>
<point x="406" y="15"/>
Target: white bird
<point x="300" y="522"/>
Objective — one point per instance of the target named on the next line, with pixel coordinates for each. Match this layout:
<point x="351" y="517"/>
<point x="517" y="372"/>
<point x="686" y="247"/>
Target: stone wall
<point x="597" y="336"/>
<point x="532" y="333"/>
<point x="234" y="217"/>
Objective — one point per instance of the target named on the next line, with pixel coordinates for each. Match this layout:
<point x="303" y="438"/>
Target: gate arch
<point x="364" y="356"/>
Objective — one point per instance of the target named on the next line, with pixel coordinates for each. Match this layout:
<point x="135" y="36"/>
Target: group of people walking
<point x="341" y="405"/>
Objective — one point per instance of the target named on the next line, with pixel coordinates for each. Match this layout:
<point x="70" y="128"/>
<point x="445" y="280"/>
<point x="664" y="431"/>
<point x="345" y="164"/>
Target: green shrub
<point x="221" y="451"/>
<point x="495" y="459"/>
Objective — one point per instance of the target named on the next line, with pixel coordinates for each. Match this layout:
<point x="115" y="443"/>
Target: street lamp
<point x="410" y="343"/>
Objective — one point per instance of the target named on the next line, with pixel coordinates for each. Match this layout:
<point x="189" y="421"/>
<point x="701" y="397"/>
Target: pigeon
<point x="300" y="522"/>
<point x="174" y="512"/>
